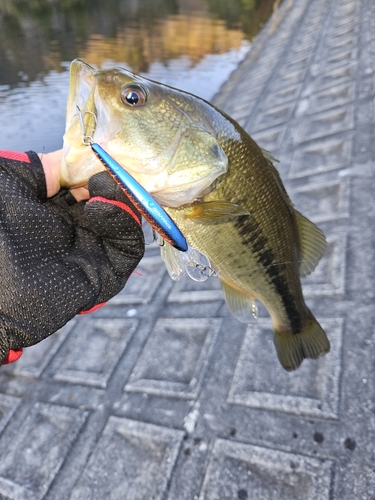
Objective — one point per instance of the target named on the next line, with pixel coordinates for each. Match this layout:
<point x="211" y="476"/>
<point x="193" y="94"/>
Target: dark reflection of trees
<point x="35" y="35"/>
<point x="249" y="15"/>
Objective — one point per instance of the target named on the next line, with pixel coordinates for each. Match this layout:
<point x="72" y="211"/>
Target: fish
<point x="221" y="189"/>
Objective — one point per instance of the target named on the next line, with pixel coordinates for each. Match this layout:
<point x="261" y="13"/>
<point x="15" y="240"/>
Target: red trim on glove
<point x="119" y="204"/>
<point x="13" y="155"/>
<point x="13" y="355"/>
<point x="98" y="306"/>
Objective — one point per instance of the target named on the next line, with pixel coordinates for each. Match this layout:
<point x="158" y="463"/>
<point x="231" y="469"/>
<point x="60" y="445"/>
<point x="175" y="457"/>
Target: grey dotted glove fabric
<point x="59" y="257"/>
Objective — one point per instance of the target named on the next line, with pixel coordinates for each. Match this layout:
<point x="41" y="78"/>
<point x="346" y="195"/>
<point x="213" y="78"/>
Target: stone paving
<point x="162" y="394"/>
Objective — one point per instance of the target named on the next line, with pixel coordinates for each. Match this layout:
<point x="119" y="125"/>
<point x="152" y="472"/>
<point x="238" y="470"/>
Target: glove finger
<point x="102" y="185"/>
<point x="120" y="230"/>
<point x="112" y="218"/>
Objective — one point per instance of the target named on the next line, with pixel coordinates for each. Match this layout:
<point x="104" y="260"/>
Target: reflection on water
<point x="191" y="44"/>
<point x="191" y="35"/>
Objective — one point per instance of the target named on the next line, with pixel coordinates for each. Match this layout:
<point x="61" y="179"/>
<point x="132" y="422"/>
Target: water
<point x="190" y="44"/>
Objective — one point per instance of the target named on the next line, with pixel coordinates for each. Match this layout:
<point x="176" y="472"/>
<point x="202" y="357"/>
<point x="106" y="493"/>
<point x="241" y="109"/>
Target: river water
<point x="190" y="44"/>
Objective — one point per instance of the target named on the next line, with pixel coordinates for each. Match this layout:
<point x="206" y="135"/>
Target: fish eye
<point x="133" y="95"/>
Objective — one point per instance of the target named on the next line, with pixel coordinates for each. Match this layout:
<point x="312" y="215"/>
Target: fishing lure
<point x="150" y="209"/>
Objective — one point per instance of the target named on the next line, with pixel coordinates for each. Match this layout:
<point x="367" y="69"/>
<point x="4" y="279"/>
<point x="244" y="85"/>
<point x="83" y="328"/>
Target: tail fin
<point x="293" y="348"/>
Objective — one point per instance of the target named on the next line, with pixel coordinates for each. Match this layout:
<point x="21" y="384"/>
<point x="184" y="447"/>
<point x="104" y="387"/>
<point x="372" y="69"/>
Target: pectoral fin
<point x="210" y="212"/>
<point x="173" y="261"/>
<point x="242" y="306"/>
<point x="312" y="243"/>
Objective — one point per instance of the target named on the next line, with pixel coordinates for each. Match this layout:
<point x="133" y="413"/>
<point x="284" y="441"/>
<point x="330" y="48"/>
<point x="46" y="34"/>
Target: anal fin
<point x="312" y="244"/>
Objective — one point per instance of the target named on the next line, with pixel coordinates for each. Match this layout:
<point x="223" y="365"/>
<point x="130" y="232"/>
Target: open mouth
<point x="81" y="86"/>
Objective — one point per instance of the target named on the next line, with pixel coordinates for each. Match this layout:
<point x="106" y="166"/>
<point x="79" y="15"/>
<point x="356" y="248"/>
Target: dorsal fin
<point x="270" y="159"/>
<point x="268" y="156"/>
<point x="311" y="238"/>
<point x="312" y="244"/>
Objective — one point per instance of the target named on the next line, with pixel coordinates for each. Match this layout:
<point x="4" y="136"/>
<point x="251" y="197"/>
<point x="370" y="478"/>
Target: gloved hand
<point x="58" y="257"/>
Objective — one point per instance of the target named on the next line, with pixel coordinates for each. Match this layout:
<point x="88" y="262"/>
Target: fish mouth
<point x="76" y="164"/>
<point x="83" y="125"/>
<point x="87" y="113"/>
<point x="81" y="110"/>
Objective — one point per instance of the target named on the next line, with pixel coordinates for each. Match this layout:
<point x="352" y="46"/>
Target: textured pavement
<point x="162" y="394"/>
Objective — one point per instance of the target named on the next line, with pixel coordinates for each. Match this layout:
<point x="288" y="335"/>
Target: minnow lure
<point x="149" y="208"/>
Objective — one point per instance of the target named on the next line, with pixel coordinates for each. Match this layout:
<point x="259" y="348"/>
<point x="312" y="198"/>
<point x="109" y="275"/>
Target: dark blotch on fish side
<point x="251" y="233"/>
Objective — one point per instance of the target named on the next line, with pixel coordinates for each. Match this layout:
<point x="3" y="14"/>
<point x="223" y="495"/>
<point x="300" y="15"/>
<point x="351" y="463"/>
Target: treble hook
<point x="155" y="239"/>
<point x="87" y="139"/>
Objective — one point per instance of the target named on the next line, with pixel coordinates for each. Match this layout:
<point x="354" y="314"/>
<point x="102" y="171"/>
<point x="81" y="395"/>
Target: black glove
<point x="58" y="257"/>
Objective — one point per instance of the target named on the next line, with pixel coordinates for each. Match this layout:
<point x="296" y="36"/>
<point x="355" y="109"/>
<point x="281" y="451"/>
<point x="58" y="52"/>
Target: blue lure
<point x="150" y="209"/>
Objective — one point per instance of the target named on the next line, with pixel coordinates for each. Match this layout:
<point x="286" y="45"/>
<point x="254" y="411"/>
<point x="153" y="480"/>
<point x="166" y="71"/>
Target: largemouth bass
<point x="216" y="183"/>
